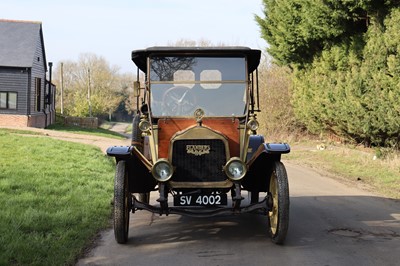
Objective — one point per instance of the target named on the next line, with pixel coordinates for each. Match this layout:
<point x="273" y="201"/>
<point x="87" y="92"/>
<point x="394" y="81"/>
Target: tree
<point x="92" y="86"/>
<point x="298" y="30"/>
<point x="350" y="90"/>
<point x="276" y="119"/>
<point x="126" y="83"/>
<point x="344" y="57"/>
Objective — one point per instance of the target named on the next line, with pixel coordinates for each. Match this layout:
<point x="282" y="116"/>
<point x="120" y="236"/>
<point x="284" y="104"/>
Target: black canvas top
<point x="139" y="57"/>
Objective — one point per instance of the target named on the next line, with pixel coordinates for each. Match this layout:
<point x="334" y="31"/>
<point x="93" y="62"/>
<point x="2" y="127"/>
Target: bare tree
<point x="91" y="86"/>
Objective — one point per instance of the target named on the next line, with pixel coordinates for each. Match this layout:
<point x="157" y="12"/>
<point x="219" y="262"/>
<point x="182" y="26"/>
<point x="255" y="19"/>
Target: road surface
<point x="331" y="223"/>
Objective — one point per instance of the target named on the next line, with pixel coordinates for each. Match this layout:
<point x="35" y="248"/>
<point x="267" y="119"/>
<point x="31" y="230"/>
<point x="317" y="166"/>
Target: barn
<point x="27" y="96"/>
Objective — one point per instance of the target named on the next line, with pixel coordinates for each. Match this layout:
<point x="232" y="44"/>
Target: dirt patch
<point x="102" y="142"/>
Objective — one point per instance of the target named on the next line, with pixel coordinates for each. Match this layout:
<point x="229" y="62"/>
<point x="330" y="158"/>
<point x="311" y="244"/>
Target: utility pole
<point x="62" y="88"/>
<point x="49" y="96"/>
<point x="90" y="104"/>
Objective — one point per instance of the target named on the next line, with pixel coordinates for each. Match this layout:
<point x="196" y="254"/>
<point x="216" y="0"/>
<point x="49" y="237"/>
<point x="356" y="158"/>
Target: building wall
<point x="13" y="120"/>
<point x="38" y="121"/>
<point x="23" y="81"/>
<point x="15" y="80"/>
<point x="38" y="71"/>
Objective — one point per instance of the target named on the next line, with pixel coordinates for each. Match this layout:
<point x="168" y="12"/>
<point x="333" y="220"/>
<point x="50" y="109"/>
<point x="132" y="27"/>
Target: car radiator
<point x="198" y="160"/>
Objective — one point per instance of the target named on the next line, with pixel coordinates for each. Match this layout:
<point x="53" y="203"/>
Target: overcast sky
<point x="113" y="28"/>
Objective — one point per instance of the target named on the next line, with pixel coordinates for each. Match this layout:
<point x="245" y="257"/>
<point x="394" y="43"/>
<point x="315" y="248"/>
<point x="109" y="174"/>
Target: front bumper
<point x="261" y="207"/>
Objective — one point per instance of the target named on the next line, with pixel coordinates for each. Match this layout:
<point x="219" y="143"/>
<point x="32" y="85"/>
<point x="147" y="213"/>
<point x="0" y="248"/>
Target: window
<point x="215" y="84"/>
<point x="38" y="92"/>
<point x="8" y="100"/>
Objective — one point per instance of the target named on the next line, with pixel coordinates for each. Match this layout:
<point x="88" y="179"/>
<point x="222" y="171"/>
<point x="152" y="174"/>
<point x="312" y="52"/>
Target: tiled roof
<point x="18" y="42"/>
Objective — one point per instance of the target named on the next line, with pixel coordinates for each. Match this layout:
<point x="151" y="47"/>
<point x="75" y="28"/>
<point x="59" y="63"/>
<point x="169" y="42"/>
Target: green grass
<point x="54" y="198"/>
<point x="19" y="131"/>
<point x="381" y="175"/>
<point x="102" y="132"/>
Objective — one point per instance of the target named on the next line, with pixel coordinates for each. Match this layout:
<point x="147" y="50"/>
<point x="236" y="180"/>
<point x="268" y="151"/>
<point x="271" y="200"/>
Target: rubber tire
<point x="278" y="218"/>
<point x="122" y="203"/>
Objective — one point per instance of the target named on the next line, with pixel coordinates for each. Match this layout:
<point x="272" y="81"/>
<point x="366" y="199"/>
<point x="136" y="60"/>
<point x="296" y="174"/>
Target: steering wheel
<point x="179" y="100"/>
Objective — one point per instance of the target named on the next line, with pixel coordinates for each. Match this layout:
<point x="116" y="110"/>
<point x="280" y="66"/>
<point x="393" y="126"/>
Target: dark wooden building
<point x="27" y="98"/>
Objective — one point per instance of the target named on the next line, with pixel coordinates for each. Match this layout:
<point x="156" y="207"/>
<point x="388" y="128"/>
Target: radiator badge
<point x="198" y="150"/>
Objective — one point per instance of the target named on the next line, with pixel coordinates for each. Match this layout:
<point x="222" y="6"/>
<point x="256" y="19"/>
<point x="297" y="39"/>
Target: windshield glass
<point x="180" y="85"/>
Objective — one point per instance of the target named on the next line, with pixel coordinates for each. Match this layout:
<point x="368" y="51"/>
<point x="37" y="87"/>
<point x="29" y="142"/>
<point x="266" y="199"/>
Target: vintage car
<point x="195" y="142"/>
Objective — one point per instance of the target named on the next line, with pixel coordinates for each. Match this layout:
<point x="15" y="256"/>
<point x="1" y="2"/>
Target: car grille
<point x="205" y="166"/>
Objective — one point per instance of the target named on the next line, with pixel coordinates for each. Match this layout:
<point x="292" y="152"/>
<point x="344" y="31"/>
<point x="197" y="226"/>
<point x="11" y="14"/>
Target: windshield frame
<point x="229" y="91"/>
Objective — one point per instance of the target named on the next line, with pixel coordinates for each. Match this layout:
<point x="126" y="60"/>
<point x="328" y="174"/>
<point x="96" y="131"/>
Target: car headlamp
<point x="144" y="126"/>
<point x="235" y="169"/>
<point x="252" y="124"/>
<point x="162" y="170"/>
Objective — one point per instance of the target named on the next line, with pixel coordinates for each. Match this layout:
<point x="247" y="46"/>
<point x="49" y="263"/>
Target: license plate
<point x="201" y="200"/>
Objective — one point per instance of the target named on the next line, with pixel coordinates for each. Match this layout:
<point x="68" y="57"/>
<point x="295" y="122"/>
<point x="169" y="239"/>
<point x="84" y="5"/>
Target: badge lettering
<point x="198" y="150"/>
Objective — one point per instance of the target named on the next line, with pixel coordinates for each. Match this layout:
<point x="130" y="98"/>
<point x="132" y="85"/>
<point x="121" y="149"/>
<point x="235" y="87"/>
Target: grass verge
<point x="18" y="131"/>
<point x="381" y="175"/>
<point x="54" y="197"/>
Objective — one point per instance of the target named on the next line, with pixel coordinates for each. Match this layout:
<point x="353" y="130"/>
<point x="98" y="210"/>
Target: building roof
<point x="18" y="42"/>
<point x="139" y="57"/>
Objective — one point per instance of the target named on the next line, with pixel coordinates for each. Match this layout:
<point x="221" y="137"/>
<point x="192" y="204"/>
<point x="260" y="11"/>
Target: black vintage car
<point x="195" y="142"/>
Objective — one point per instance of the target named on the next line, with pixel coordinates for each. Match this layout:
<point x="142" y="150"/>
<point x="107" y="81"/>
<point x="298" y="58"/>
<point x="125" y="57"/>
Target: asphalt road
<point x="331" y="223"/>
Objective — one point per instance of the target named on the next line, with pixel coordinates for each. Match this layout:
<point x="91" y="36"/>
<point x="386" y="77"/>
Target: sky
<point x="113" y="28"/>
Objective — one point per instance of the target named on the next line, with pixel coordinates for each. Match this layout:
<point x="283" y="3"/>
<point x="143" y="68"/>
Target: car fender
<point x="260" y="165"/>
<point x="138" y="168"/>
<point x="119" y="152"/>
<point x="268" y="151"/>
<point x="257" y="146"/>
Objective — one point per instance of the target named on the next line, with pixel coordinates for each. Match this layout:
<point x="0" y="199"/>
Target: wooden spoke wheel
<point x="279" y="204"/>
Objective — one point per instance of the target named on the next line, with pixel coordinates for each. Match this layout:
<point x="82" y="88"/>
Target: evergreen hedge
<point x="347" y="83"/>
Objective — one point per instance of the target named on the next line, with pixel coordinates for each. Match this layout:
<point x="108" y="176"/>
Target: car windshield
<point x="180" y="85"/>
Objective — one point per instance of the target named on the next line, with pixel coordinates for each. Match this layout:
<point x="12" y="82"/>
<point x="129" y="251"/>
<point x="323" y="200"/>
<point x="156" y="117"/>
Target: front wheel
<point x="122" y="203"/>
<point x="279" y="204"/>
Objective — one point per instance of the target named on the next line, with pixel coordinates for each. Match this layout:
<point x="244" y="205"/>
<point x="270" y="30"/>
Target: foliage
<point x="298" y="30"/>
<point x="199" y="43"/>
<point x="54" y="197"/>
<point x="345" y="60"/>
<point x="92" y="84"/>
<point x="353" y="97"/>
<point x="277" y="120"/>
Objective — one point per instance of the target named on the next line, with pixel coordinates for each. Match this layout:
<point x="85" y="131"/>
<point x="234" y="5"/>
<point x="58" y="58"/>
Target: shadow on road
<point x="323" y="230"/>
<point x="312" y="219"/>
